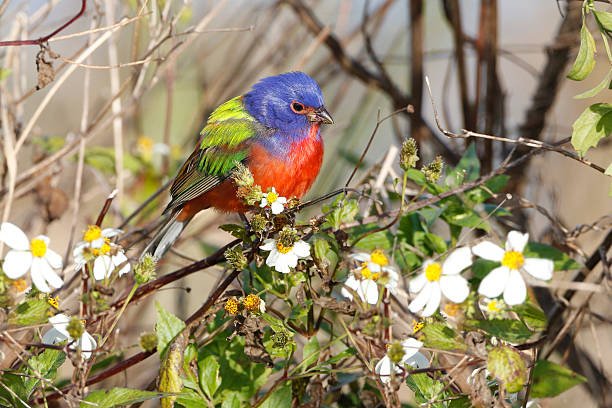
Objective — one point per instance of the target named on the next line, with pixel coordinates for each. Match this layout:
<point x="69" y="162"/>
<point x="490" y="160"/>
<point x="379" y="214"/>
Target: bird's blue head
<point x="287" y="102"/>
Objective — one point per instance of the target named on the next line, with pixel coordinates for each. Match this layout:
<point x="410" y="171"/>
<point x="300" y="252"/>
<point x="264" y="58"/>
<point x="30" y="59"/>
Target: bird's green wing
<point x="225" y="140"/>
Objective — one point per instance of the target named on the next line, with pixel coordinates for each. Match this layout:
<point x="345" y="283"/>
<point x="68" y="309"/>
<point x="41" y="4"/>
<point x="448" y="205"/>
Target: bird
<point x="273" y="130"/>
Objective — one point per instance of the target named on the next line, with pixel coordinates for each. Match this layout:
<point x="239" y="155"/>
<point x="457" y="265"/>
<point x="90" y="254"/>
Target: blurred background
<point x="131" y="110"/>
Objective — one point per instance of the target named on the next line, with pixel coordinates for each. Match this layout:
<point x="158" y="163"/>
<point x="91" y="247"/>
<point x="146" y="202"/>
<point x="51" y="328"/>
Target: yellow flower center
<point x="231" y="306"/>
<point x="493" y="306"/>
<point x="19" y="285"/>
<point x="251" y="302"/>
<point x="433" y="272"/>
<point x="283" y="249"/>
<point x="272" y="197"/>
<point x="379" y="258"/>
<point x="38" y="247"/>
<point x="103" y="250"/>
<point x="93" y="232"/>
<point x="145" y="144"/>
<point x="366" y="273"/>
<point x="513" y="260"/>
<point x="451" y="309"/>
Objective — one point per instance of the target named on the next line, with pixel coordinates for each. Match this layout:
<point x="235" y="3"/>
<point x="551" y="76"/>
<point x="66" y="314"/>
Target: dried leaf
<point x="335" y="305"/>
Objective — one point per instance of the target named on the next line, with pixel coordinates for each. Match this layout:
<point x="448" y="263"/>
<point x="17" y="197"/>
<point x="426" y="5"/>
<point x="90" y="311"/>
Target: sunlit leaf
<point x="585" y="60"/>
<point x="592" y="125"/>
<point x="550" y="379"/>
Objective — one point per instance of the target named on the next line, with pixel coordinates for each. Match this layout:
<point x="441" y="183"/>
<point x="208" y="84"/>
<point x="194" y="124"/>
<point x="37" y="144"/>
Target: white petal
<point x="59" y="321"/>
<point x="273" y="257"/>
<point x="368" y="291"/>
<point x="118" y="260"/>
<point x="434" y="300"/>
<point x="494" y="283"/>
<point x="111" y="232"/>
<point x="392" y="279"/>
<point x="515" y="291"/>
<point x="488" y="250"/>
<point x="269" y="244"/>
<point x="360" y="256"/>
<point x="264" y="202"/>
<point x="54" y="259"/>
<point x="16" y="263"/>
<point x="88" y="344"/>
<point x="418" y="360"/>
<point x="457" y="261"/>
<point x="455" y="288"/>
<point x="422" y="298"/>
<point x="411" y="346"/>
<point x="37" y="274"/>
<point x="277" y="207"/>
<point x="516" y="241"/>
<point x="346" y="293"/>
<point x="417" y="283"/>
<point x="48" y="274"/>
<point x="14" y="237"/>
<point x="53" y="336"/>
<point x="539" y="268"/>
<point x="290" y="259"/>
<point x="383" y="369"/>
<point x="102" y="267"/>
<point x="44" y="239"/>
<point x="281" y="200"/>
<point x="301" y="249"/>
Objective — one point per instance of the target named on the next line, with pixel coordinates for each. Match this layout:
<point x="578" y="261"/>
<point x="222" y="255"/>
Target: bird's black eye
<point x="297" y="107"/>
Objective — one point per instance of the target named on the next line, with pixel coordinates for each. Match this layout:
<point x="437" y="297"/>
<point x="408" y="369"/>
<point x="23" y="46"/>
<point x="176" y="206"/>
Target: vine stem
<point x="127" y="300"/>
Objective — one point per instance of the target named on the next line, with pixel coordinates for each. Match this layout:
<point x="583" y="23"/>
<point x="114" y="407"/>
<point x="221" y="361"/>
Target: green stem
<point x="127" y="300"/>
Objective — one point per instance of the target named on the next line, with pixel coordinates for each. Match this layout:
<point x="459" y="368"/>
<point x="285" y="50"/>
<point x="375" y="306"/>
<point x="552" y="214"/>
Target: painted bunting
<point x="273" y="130"/>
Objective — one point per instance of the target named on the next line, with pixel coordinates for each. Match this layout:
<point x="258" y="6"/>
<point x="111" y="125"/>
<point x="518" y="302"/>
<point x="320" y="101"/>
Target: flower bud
<point x="75" y="328"/>
<point x="144" y="271"/>
<point x="409" y="154"/>
<point x="433" y="170"/>
<point x="396" y="352"/>
<point x="235" y="258"/>
<point x="148" y="341"/>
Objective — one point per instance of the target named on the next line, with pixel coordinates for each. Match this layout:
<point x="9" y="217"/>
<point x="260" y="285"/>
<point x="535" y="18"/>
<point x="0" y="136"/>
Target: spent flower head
<point x="247" y="191"/>
<point x="409" y="154"/>
<point x="433" y="170"/>
<point x="144" y="271"/>
<point x="235" y="258"/>
<point x="258" y="223"/>
<point x="148" y="341"/>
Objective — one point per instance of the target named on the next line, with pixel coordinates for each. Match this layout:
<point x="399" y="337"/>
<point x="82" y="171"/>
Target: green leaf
<point x="170" y="370"/>
<point x="233" y="402"/>
<point x="191" y="399"/>
<point x="351" y="351"/>
<point x="310" y="353"/>
<point x="425" y="389"/>
<point x="604" y="18"/>
<point x="481" y="267"/>
<point x="437" y="335"/>
<point x="506" y="365"/>
<point x="436" y="243"/>
<point x="343" y="211"/>
<point x="45" y="364"/>
<point x="208" y="371"/>
<point x="597" y="89"/>
<point x="592" y="125"/>
<point x="561" y="260"/>
<point x="468" y="168"/>
<point x="376" y="240"/>
<point x="550" y="379"/>
<point x="234" y="229"/>
<point x="584" y="60"/>
<point x="514" y="331"/>
<point x="324" y="253"/>
<point x="119" y="396"/>
<point x="166" y="328"/>
<point x="30" y="311"/>
<point x="532" y="315"/>
<point x="4" y="73"/>
<point x="280" y="398"/>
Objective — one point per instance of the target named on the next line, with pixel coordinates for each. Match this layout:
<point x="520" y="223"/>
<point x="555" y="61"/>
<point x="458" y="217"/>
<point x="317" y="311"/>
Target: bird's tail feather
<point x="165" y="236"/>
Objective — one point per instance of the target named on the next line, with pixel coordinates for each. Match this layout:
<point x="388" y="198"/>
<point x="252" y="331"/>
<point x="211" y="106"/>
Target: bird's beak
<point x="321" y="115"/>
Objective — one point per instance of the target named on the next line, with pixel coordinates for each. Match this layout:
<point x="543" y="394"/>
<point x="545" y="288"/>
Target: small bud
<point x="248" y="192"/>
<point x="279" y="339"/>
<point x="144" y="271"/>
<point x="287" y="237"/>
<point x="235" y="258"/>
<point x="396" y="352"/>
<point x="258" y="223"/>
<point x="242" y="175"/>
<point x="231" y="306"/>
<point x="75" y="328"/>
<point x="409" y="154"/>
<point x="148" y="341"/>
<point x="251" y="303"/>
<point x="433" y="170"/>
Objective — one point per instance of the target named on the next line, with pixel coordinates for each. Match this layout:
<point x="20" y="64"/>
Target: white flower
<point x="106" y="255"/>
<point x="284" y="257"/>
<point x="277" y="203"/>
<point x="507" y="278"/>
<point x="59" y="333"/>
<point x="437" y="279"/>
<point x="373" y="266"/>
<point x="412" y="357"/>
<point x="34" y="255"/>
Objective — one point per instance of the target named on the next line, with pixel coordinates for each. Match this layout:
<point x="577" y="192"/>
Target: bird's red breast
<point x="291" y="176"/>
